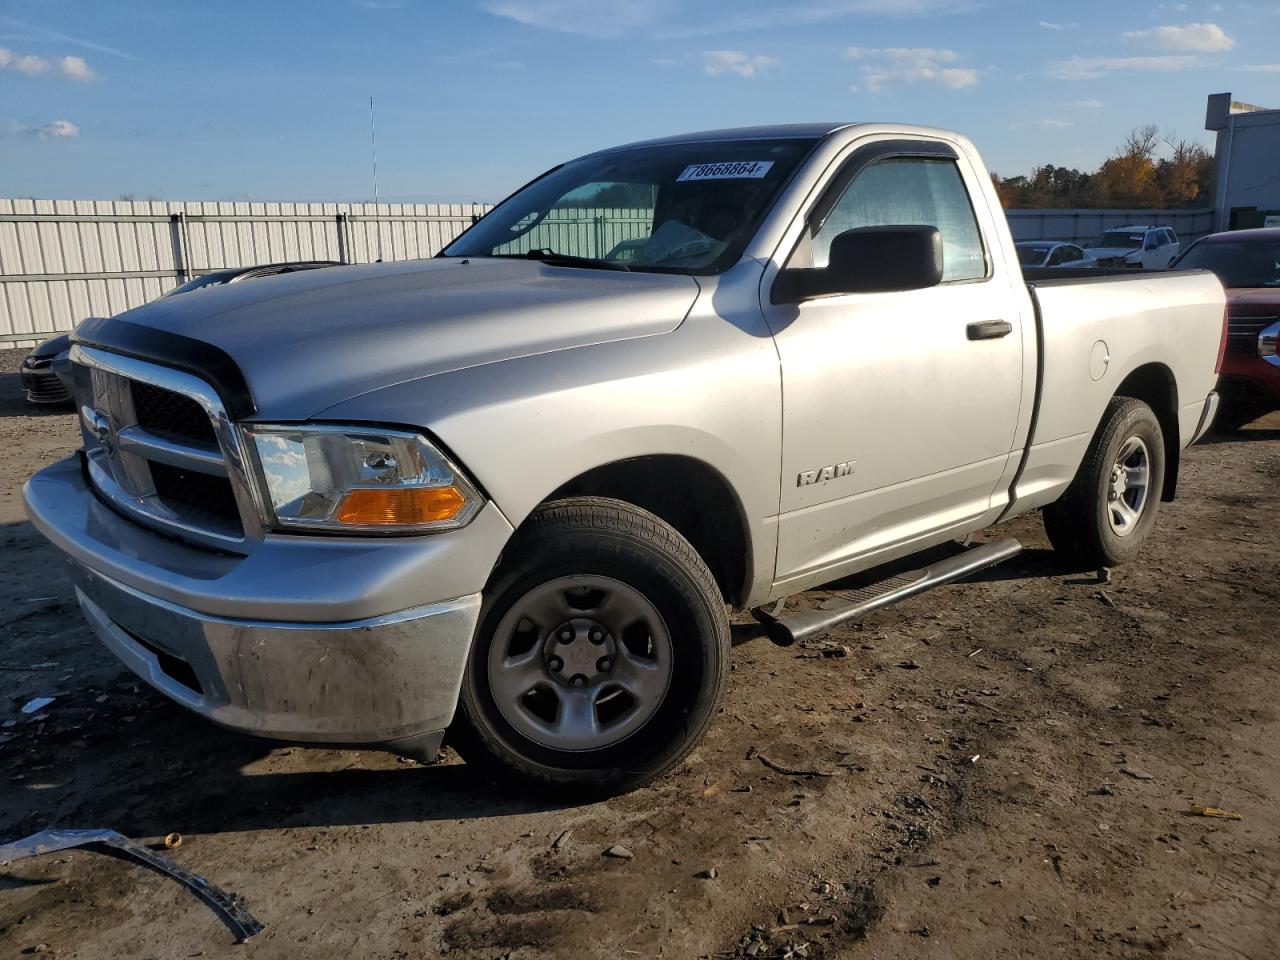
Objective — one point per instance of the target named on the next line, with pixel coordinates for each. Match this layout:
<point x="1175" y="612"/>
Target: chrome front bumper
<point x="385" y="679"/>
<point x="307" y="639"/>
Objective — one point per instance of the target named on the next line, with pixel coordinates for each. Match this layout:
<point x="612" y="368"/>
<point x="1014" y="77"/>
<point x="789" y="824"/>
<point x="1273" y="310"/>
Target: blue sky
<point x="269" y="100"/>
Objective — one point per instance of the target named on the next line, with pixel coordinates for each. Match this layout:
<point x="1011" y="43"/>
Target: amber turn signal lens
<point x="401" y="506"/>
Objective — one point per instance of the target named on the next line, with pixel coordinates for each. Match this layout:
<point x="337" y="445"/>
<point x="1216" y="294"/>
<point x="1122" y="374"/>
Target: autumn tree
<point x="1135" y="175"/>
<point x="1127" y="178"/>
<point x="1186" y="174"/>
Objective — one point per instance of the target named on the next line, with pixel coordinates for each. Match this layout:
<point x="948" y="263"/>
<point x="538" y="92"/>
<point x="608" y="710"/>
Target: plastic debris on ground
<point x="242" y="924"/>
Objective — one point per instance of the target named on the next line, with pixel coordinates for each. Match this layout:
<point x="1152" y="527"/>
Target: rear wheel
<point x="1110" y="508"/>
<point x="600" y="655"/>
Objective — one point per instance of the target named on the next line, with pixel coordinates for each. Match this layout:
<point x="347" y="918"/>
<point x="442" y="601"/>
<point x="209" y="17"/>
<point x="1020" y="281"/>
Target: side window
<point x="1058" y="256"/>
<point x="902" y="191"/>
<point x="1072" y="254"/>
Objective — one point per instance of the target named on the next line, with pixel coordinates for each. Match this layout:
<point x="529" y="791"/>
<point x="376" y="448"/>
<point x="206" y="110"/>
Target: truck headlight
<point x="353" y="479"/>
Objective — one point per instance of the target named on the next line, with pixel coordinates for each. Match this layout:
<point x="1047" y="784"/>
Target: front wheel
<point x="1110" y="508"/>
<point x="600" y="655"/>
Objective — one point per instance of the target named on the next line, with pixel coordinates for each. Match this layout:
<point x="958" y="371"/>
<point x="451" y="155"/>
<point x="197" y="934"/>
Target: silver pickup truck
<point x="511" y="491"/>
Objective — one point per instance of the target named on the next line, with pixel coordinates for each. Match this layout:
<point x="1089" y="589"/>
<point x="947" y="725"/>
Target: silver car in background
<point x="1051" y="253"/>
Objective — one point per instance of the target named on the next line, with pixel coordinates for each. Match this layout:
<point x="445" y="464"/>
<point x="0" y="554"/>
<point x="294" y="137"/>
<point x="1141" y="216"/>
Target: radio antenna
<point x="373" y="156"/>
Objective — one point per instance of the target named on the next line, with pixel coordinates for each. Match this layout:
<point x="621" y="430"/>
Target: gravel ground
<point x="1001" y="768"/>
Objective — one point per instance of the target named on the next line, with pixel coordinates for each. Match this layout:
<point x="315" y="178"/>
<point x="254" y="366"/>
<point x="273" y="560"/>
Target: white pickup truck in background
<point x="1142" y="248"/>
<point x="509" y="492"/>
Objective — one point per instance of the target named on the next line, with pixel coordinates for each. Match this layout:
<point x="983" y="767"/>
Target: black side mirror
<point x="870" y="260"/>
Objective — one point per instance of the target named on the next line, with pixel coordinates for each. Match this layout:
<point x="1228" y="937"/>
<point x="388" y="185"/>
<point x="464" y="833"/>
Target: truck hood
<point x="306" y="341"/>
<point x="1106" y="253"/>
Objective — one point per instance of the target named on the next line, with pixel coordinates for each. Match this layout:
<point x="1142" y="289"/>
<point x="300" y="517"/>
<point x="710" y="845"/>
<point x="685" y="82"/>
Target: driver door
<point x="899" y="409"/>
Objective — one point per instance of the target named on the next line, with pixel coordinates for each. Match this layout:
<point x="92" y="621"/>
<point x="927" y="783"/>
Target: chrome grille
<point x="161" y="450"/>
<point x="1242" y="333"/>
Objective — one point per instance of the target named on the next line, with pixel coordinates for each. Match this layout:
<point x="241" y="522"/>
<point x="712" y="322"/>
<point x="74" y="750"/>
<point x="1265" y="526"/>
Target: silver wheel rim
<point x="580" y="663"/>
<point x="1128" y="486"/>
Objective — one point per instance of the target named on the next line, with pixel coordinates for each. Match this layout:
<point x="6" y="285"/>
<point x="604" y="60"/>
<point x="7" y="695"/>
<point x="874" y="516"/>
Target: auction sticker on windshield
<point x="735" y="170"/>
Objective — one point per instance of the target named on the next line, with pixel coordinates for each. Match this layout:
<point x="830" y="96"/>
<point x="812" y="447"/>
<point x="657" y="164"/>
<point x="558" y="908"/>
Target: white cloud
<point x="1194" y="37"/>
<point x="737" y="62"/>
<point x="53" y="130"/>
<point x="29" y="65"/>
<point x="72" y="67"/>
<point x="783" y="15"/>
<point x="1085" y="104"/>
<point x="1259" y="68"/>
<point x="58" y="130"/>
<point x="1053" y="124"/>
<point x="1092" y="68"/>
<point x="894" y="66"/>
<point x="75" y="68"/>
<point x="1058" y="26"/>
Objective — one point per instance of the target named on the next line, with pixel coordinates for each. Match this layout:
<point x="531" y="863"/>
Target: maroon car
<point x="1248" y="264"/>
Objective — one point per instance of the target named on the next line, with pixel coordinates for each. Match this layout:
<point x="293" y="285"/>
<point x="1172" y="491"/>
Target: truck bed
<point x="1099" y="329"/>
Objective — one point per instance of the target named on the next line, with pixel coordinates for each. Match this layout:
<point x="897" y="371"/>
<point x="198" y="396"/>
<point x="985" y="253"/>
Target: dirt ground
<point x="1002" y="768"/>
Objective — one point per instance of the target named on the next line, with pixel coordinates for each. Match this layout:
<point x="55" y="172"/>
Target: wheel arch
<point x="1155" y="385"/>
<point x="692" y="496"/>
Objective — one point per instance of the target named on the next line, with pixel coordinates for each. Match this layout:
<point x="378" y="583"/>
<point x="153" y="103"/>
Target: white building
<point x="1247" y="163"/>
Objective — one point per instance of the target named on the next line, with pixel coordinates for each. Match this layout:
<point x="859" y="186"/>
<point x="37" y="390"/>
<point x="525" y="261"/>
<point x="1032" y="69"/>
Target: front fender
<point x="523" y="428"/>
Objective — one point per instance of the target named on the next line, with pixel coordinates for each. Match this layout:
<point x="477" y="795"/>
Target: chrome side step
<point x="800" y="626"/>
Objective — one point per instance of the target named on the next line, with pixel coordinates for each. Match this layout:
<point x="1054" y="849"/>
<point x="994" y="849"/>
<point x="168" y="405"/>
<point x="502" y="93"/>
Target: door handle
<point x="989" y="330"/>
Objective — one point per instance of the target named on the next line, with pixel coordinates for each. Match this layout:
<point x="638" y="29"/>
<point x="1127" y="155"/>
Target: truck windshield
<point x="1238" y="263"/>
<point x="1118" y="239"/>
<point x="672" y="208"/>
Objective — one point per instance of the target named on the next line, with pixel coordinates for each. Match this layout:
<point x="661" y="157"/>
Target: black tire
<point x="595" y="536"/>
<point x="1079" y="524"/>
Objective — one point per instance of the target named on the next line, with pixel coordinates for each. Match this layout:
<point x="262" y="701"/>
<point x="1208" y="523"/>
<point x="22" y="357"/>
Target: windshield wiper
<point x="569" y="260"/>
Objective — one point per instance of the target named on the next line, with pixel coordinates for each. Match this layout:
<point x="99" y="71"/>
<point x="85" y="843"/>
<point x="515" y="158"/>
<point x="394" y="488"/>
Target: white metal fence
<point x="64" y="260"/>
<point x="596" y="232"/>
<point x="1081" y="226"/>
